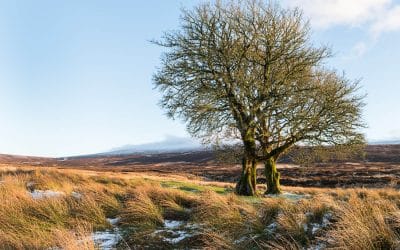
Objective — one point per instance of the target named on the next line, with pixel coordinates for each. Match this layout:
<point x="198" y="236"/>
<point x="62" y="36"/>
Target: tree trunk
<point x="247" y="182"/>
<point x="272" y="177"/>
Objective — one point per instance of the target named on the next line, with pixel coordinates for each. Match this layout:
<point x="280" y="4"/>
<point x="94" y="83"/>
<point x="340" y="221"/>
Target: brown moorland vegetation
<point x="45" y="208"/>
<point x="379" y="168"/>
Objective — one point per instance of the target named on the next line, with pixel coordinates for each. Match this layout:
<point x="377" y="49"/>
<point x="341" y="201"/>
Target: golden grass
<point x="227" y="214"/>
<point x="140" y="211"/>
<point x="333" y="218"/>
<point x="27" y="223"/>
<point x="366" y="221"/>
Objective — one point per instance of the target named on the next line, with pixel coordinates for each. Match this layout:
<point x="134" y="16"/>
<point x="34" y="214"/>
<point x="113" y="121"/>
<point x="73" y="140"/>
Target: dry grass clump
<point x="366" y="222"/>
<point x="79" y="238"/>
<point x="36" y="224"/>
<point x="280" y="243"/>
<point x="336" y="219"/>
<point x="220" y="218"/>
<point x="145" y="208"/>
<point x="208" y="239"/>
<point x="147" y="205"/>
<point x="172" y="203"/>
<point x="106" y="199"/>
<point x="24" y="221"/>
<point x="88" y="210"/>
<point x="269" y="210"/>
<point x="140" y="211"/>
<point x="291" y="223"/>
<point x="227" y="214"/>
<point x="295" y="224"/>
<point x="53" y="221"/>
<point x="48" y="179"/>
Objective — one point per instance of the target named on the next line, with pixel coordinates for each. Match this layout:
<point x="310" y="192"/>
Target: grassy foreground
<point x="54" y="209"/>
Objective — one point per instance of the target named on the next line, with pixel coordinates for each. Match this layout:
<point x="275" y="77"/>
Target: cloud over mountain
<point x="168" y="144"/>
<point x="377" y="16"/>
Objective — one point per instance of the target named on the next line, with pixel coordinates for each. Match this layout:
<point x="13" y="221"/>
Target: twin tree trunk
<point x="272" y="177"/>
<point x="248" y="179"/>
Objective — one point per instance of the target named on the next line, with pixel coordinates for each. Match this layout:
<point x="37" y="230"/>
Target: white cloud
<point x="390" y="21"/>
<point x="374" y="16"/>
<point x="328" y="13"/>
<point x="358" y="50"/>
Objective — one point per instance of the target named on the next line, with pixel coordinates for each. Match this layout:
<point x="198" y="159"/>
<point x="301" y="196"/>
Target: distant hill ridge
<point x="172" y="144"/>
<point x="182" y="144"/>
<point x="169" y="144"/>
<point x="384" y="142"/>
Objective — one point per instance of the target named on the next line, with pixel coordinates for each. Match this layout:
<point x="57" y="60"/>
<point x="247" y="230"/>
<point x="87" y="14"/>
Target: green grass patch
<point x="193" y="188"/>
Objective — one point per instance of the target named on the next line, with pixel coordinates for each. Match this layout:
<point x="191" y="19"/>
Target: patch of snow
<point x="106" y="240"/>
<point x="271" y="228"/>
<point x="40" y="194"/>
<point x="175" y="231"/>
<point x="319" y="246"/>
<point x="76" y="195"/>
<point x="192" y="226"/>
<point x="315" y="227"/>
<point x="238" y="241"/>
<point x="326" y="219"/>
<point x="172" y="224"/>
<point x="293" y="196"/>
<point x="177" y="237"/>
<point x="290" y="196"/>
<point x="113" y="221"/>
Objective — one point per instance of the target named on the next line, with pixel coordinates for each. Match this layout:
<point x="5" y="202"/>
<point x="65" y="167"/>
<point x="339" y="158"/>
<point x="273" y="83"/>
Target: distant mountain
<point x="384" y="142"/>
<point x="169" y="144"/>
<point x="174" y="144"/>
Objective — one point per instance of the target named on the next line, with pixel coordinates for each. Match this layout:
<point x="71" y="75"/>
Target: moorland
<point x="185" y="200"/>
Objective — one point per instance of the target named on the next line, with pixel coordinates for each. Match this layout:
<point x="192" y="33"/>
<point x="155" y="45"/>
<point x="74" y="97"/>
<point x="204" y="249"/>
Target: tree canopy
<point x="249" y="70"/>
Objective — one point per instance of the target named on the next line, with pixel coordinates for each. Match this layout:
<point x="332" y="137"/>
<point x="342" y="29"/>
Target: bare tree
<point x="247" y="70"/>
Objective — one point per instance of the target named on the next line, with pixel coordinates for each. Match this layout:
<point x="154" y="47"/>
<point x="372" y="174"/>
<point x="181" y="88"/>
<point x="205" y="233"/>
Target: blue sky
<point x="75" y="76"/>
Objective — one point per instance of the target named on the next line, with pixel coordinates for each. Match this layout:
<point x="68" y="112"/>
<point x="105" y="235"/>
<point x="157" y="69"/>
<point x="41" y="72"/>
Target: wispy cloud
<point x="358" y="50"/>
<point x="375" y="16"/>
<point x="388" y="22"/>
<point x="327" y="13"/>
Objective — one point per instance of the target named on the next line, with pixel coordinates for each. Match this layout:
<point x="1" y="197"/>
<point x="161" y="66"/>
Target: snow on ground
<point x="172" y="224"/>
<point x="315" y="227"/>
<point x="40" y="194"/>
<point x="177" y="237"/>
<point x="113" y="221"/>
<point x="106" y="240"/>
<point x="240" y="240"/>
<point x="290" y="196"/>
<point x="271" y="228"/>
<point x="76" y="195"/>
<point x="192" y="226"/>
<point x="320" y="246"/>
<point x="175" y="231"/>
